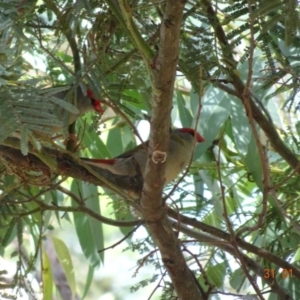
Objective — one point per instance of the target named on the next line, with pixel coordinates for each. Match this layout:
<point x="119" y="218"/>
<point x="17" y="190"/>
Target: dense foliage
<point x="234" y="215"/>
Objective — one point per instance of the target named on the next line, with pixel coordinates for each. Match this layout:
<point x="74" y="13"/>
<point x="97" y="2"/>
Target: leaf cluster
<point x="89" y="41"/>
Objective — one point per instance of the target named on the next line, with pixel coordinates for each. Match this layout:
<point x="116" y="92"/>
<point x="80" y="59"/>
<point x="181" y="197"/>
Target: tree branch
<point x="239" y="86"/>
<point x="250" y="263"/>
<point x="213" y="231"/>
<point x="151" y="201"/>
<point x="68" y="165"/>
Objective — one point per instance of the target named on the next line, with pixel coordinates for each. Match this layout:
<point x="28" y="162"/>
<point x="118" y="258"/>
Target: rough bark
<point x="152" y="205"/>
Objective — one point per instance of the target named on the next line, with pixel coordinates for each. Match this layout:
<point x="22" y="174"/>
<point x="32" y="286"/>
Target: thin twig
<point x="123" y="239"/>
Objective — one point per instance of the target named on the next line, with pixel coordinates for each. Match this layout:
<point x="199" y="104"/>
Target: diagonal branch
<point x="216" y="232"/>
<point x="67" y="165"/>
<point x="249" y="262"/>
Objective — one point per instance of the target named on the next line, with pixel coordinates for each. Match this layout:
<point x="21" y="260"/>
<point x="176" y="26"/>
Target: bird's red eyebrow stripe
<point x="192" y="131"/>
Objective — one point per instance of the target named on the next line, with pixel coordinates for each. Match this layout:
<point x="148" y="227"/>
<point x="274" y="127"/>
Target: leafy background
<point x="239" y="185"/>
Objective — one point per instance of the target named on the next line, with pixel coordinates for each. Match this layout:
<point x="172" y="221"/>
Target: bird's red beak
<point x="200" y="138"/>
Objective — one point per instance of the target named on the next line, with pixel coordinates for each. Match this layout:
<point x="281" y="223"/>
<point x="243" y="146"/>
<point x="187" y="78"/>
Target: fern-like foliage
<point x="52" y="43"/>
<point x="32" y="111"/>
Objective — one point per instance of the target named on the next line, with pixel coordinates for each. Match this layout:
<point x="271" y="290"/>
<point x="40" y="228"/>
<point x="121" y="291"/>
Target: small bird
<point x="57" y="112"/>
<point x="178" y="156"/>
<point x="84" y="104"/>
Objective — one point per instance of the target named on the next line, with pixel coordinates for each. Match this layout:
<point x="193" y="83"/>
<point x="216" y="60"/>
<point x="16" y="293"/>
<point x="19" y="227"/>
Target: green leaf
<point x="139" y="103"/>
<point x="296" y="256"/>
<point x="216" y="274"/>
<point x="253" y="163"/>
<point x="47" y="277"/>
<point x="240" y="127"/>
<point x="8" y="233"/>
<point x="96" y="146"/>
<point x="184" y="114"/>
<point x="238" y="280"/>
<point x="90" y="192"/>
<point x="84" y="231"/>
<point x="89" y="280"/>
<point x="65" y="260"/>
<point x="114" y="141"/>
<point x="215" y="111"/>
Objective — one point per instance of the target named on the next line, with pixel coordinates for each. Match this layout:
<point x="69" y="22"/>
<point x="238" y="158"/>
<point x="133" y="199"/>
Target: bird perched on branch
<point x="52" y="111"/>
<point x="84" y="103"/>
<point x="178" y="156"/>
<point x="43" y="113"/>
